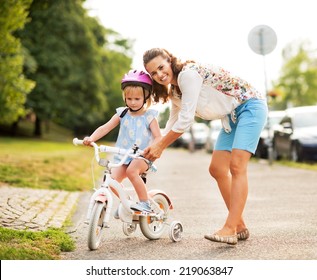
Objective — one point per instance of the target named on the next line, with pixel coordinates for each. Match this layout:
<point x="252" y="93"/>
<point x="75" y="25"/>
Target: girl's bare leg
<point x="137" y="167"/>
<point x="118" y="174"/>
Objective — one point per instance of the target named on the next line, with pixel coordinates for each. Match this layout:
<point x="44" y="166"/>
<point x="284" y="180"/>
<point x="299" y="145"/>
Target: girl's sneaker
<point x="142" y="206"/>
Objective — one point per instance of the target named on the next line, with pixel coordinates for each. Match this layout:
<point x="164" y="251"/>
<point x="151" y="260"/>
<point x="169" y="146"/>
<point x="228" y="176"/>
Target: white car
<point x="199" y="131"/>
<point x="214" y="128"/>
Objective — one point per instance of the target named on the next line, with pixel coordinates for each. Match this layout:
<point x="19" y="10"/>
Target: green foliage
<point x="14" y="87"/>
<point x="69" y="82"/>
<point x="26" y="245"/>
<point x="51" y="131"/>
<point x="297" y="85"/>
<point x="164" y="117"/>
<point x="74" y="64"/>
<point x="113" y="77"/>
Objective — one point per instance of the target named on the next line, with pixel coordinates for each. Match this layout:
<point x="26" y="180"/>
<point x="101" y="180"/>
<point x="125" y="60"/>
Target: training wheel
<point x="176" y="230"/>
<point x="128" y="229"/>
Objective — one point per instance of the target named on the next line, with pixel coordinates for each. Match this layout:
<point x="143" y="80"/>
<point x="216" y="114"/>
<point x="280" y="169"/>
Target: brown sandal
<point x="229" y="239"/>
<point x="243" y="235"/>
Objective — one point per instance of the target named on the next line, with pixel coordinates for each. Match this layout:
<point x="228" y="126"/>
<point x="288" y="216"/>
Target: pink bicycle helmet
<point x="137" y="78"/>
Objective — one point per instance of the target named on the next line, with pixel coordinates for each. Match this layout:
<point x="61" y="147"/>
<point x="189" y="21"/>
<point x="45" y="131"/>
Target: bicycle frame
<point x="151" y="224"/>
<point x="105" y="194"/>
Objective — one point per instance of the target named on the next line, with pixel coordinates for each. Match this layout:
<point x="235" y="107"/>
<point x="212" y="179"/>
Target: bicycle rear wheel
<point x="95" y="229"/>
<point x="151" y="227"/>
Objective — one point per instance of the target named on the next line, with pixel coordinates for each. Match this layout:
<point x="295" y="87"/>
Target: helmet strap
<point x="144" y="101"/>
<point x="136" y="109"/>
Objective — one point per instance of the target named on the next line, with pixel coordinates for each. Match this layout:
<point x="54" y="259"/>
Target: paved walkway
<point x="35" y="209"/>
<point x="280" y="212"/>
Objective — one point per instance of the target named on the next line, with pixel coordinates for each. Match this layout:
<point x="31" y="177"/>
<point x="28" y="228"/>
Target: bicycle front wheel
<point x="95" y="229"/>
<point x="151" y="227"/>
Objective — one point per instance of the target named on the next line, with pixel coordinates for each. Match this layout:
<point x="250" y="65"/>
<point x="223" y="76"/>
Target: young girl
<point x="138" y="125"/>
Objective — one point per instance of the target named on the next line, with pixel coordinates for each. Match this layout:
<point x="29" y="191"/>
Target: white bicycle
<point x="152" y="224"/>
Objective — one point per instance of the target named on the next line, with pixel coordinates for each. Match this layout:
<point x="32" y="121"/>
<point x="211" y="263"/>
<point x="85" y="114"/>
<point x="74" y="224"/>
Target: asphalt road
<point x="281" y="214"/>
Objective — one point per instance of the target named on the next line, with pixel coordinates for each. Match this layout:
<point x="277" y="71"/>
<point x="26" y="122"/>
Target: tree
<point x="68" y="81"/>
<point x="71" y="77"/>
<point x="297" y="85"/>
<point x="14" y="87"/>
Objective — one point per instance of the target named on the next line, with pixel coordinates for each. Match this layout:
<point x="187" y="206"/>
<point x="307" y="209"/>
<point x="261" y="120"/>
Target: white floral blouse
<point x="208" y="92"/>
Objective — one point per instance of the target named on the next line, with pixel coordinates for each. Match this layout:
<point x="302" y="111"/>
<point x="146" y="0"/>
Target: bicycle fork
<point x="103" y="196"/>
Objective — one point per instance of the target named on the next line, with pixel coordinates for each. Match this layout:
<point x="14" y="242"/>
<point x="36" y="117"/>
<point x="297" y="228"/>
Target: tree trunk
<point x="14" y="128"/>
<point x="37" y="127"/>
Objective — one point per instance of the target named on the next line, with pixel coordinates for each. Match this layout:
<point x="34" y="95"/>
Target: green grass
<point x="44" y="165"/>
<point x="301" y="165"/>
<point x="26" y="245"/>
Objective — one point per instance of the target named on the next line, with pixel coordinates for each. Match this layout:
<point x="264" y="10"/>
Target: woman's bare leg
<point x="230" y="172"/>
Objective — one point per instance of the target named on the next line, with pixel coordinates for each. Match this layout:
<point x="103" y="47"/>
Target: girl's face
<point x="134" y="97"/>
<point x="161" y="71"/>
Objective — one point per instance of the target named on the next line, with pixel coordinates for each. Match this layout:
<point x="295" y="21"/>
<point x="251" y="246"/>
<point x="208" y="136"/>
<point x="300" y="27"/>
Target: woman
<point x="211" y="93"/>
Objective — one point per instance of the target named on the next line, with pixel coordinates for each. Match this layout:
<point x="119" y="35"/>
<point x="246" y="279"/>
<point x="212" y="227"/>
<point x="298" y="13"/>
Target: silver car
<point x="266" y="136"/>
<point x="214" y="128"/>
<point x="295" y="137"/>
<point x="196" y="135"/>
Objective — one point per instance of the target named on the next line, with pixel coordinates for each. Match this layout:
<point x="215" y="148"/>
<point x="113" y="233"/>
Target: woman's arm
<point x="190" y="83"/>
<point x="173" y="116"/>
<point x="155" y="151"/>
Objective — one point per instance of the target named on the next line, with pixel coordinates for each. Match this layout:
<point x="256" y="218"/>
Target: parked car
<point x="214" y="128"/>
<point x="266" y="136"/>
<point x="295" y="137"/>
<point x="199" y="131"/>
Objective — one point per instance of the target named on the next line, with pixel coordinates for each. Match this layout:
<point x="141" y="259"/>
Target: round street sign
<point x="262" y="39"/>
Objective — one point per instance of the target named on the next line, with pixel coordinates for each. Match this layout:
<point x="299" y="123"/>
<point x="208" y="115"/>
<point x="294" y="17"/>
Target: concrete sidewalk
<point x="35" y="209"/>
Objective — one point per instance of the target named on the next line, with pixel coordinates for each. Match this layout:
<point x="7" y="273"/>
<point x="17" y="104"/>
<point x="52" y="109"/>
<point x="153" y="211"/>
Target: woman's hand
<point x="153" y="152"/>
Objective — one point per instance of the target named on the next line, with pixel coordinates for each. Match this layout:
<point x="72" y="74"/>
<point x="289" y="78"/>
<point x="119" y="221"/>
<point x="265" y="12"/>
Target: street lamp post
<point x="262" y="40"/>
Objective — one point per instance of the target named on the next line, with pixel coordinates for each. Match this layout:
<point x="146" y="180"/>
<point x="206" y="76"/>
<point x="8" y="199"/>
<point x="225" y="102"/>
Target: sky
<point x="212" y="32"/>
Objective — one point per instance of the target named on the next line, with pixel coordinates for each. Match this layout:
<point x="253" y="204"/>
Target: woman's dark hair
<point x="161" y="92"/>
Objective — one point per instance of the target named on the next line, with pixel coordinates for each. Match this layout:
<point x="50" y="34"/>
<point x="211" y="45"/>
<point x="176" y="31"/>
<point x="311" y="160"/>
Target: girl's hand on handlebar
<point x="87" y="141"/>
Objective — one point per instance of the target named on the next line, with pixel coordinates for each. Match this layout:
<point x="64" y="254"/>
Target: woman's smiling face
<point x="160" y="70"/>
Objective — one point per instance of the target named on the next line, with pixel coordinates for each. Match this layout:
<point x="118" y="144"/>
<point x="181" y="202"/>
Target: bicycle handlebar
<point x="133" y="153"/>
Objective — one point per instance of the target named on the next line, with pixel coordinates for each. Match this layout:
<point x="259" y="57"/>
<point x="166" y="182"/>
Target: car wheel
<point x="276" y="155"/>
<point x="296" y="153"/>
<point x="258" y="151"/>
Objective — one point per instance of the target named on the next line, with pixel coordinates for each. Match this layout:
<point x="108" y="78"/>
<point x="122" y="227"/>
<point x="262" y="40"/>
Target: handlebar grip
<point x="76" y="142"/>
<point x="114" y="150"/>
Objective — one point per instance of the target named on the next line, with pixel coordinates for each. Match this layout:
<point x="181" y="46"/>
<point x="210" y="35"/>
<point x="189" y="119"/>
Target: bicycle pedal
<point x="139" y="213"/>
